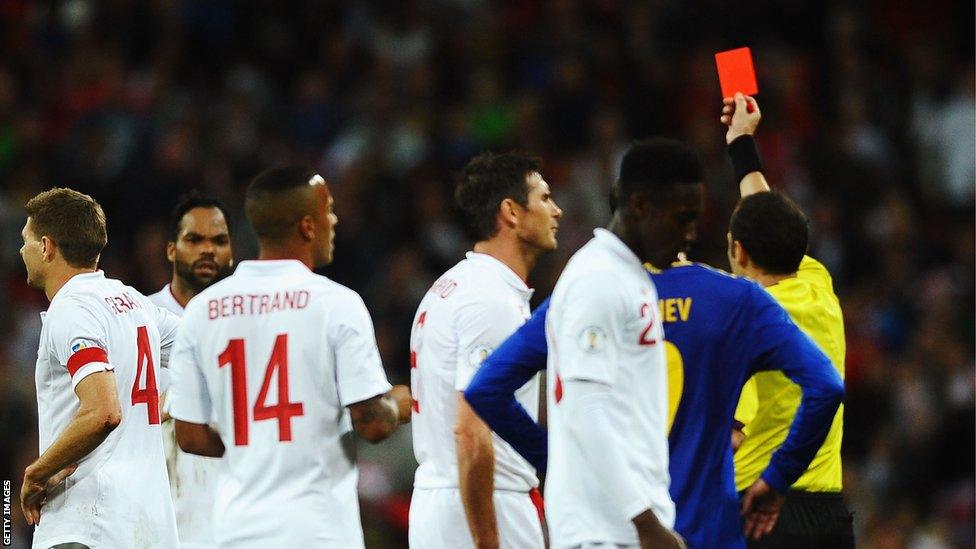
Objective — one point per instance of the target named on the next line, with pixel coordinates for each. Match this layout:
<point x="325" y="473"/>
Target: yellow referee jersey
<point x="769" y="399"/>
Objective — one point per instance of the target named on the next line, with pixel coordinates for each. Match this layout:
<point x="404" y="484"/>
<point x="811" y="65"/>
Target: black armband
<point x="745" y="157"/>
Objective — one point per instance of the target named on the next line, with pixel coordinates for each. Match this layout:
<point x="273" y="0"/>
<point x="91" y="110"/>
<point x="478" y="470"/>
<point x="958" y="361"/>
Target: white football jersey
<point x="192" y="478"/>
<point x="118" y="496"/>
<point x="272" y="356"/>
<point x="467" y="313"/>
<point x="604" y="326"/>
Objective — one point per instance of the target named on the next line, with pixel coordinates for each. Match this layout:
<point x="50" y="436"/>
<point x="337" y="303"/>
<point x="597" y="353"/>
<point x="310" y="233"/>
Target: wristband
<point x="745" y="156"/>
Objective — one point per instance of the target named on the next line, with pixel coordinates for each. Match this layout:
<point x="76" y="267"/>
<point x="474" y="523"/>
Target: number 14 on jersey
<point x="283" y="411"/>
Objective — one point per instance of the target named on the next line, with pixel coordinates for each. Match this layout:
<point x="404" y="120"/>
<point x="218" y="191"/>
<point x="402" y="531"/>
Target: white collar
<point x="503" y="270"/>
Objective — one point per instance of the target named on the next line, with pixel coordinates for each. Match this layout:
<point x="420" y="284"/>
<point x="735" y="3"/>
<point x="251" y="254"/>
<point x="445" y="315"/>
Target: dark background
<point x="868" y="122"/>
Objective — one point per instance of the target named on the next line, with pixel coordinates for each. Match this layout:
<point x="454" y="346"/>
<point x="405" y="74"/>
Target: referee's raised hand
<point x="741" y="114"/>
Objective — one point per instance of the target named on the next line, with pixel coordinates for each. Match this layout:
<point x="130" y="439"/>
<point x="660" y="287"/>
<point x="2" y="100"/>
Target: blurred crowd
<point x="869" y="114"/>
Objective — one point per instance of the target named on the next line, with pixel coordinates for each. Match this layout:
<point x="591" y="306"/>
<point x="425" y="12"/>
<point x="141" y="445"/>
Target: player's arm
<point x="168" y="325"/>
<point x="492" y="391"/>
<point x="782" y="346"/>
<point x="742" y="149"/>
<point x="199" y="439"/>
<point x="376" y="418"/>
<point x="99" y="413"/>
<point x="481" y="326"/>
<point x="589" y="381"/>
<point x="589" y="404"/>
<point x="376" y="408"/>
<point x="188" y="398"/>
<point x="476" y="474"/>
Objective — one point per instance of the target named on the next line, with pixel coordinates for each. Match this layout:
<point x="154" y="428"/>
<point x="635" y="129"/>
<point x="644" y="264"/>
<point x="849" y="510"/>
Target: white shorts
<point x="437" y="520"/>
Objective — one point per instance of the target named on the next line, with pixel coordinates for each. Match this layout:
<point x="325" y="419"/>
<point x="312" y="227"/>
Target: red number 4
<point x="283" y="411"/>
<point x="144" y="363"/>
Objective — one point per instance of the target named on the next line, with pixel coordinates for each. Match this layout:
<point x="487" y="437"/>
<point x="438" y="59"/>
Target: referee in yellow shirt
<point x="767" y="242"/>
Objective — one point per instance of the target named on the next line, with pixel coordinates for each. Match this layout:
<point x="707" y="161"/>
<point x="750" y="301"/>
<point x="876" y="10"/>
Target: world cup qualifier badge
<point x="592" y="339"/>
<point x="478" y="355"/>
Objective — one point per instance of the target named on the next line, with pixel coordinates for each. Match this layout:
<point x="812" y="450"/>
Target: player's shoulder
<point x="330" y="291"/>
<point x="703" y="273"/>
<point x="705" y="282"/>
<point x="468" y="281"/>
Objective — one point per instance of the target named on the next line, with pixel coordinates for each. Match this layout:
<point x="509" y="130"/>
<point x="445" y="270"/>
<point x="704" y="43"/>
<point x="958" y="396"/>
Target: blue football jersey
<point x="719" y="329"/>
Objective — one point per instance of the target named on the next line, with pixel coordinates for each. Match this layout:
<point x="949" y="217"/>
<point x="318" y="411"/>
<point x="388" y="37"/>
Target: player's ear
<point x="171" y="251"/>
<point x="739" y="254"/>
<point x="509" y="212"/>
<point x="306" y="227"/>
<point x="48" y="248"/>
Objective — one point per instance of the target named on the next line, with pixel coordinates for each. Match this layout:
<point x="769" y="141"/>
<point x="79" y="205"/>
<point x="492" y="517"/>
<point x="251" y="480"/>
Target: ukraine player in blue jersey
<point x="719" y="329"/>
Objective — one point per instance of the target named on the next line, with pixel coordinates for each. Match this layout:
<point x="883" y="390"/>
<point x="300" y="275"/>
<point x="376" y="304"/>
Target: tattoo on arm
<point x="376" y="418"/>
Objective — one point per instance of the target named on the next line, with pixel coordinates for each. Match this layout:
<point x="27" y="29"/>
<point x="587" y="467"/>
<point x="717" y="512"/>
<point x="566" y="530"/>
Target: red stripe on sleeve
<point x="86" y="356"/>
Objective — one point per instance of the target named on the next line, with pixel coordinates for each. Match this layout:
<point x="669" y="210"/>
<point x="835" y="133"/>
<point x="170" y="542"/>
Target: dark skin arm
<point x="195" y="438"/>
<point x="652" y="534"/>
<point x="376" y="418"/>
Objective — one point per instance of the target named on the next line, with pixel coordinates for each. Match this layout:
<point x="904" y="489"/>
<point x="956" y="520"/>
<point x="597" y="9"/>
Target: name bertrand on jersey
<point x="256" y="304"/>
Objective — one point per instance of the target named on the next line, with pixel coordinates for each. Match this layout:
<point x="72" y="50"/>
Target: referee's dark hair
<point x="772" y="230"/>
<point x="191" y="200"/>
<point x="485" y="182"/>
<point x="656" y="165"/>
<point x="277" y="199"/>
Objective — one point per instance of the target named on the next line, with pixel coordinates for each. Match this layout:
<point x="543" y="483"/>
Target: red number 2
<point x="283" y="411"/>
<point x="144" y="363"/>
<point x="645" y="337"/>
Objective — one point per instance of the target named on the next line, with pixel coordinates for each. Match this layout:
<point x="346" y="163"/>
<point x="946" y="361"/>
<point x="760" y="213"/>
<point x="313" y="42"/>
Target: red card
<point x="736" y="73"/>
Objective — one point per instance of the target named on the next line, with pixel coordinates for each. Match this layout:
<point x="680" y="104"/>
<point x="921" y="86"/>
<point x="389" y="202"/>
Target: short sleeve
<point x="167" y="323"/>
<point x="589" y="316"/>
<point x="482" y="325"/>
<point x="188" y="398"/>
<point x="78" y="338"/>
<point x="359" y="370"/>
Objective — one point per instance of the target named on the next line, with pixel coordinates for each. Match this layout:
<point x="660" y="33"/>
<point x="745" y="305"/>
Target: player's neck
<point x="511" y="252"/>
<point x="59" y="277"/>
<point x="296" y="253"/>
<point x="619" y="228"/>
<point x="181" y="291"/>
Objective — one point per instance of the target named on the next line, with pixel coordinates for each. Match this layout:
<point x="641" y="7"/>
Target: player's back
<point x="272" y="344"/>
<point x="467" y="312"/>
<point x="706" y="319"/>
<point x="119" y="495"/>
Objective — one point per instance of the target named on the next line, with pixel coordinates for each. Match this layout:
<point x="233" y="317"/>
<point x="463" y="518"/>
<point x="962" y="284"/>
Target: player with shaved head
<point x="274" y="369"/>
